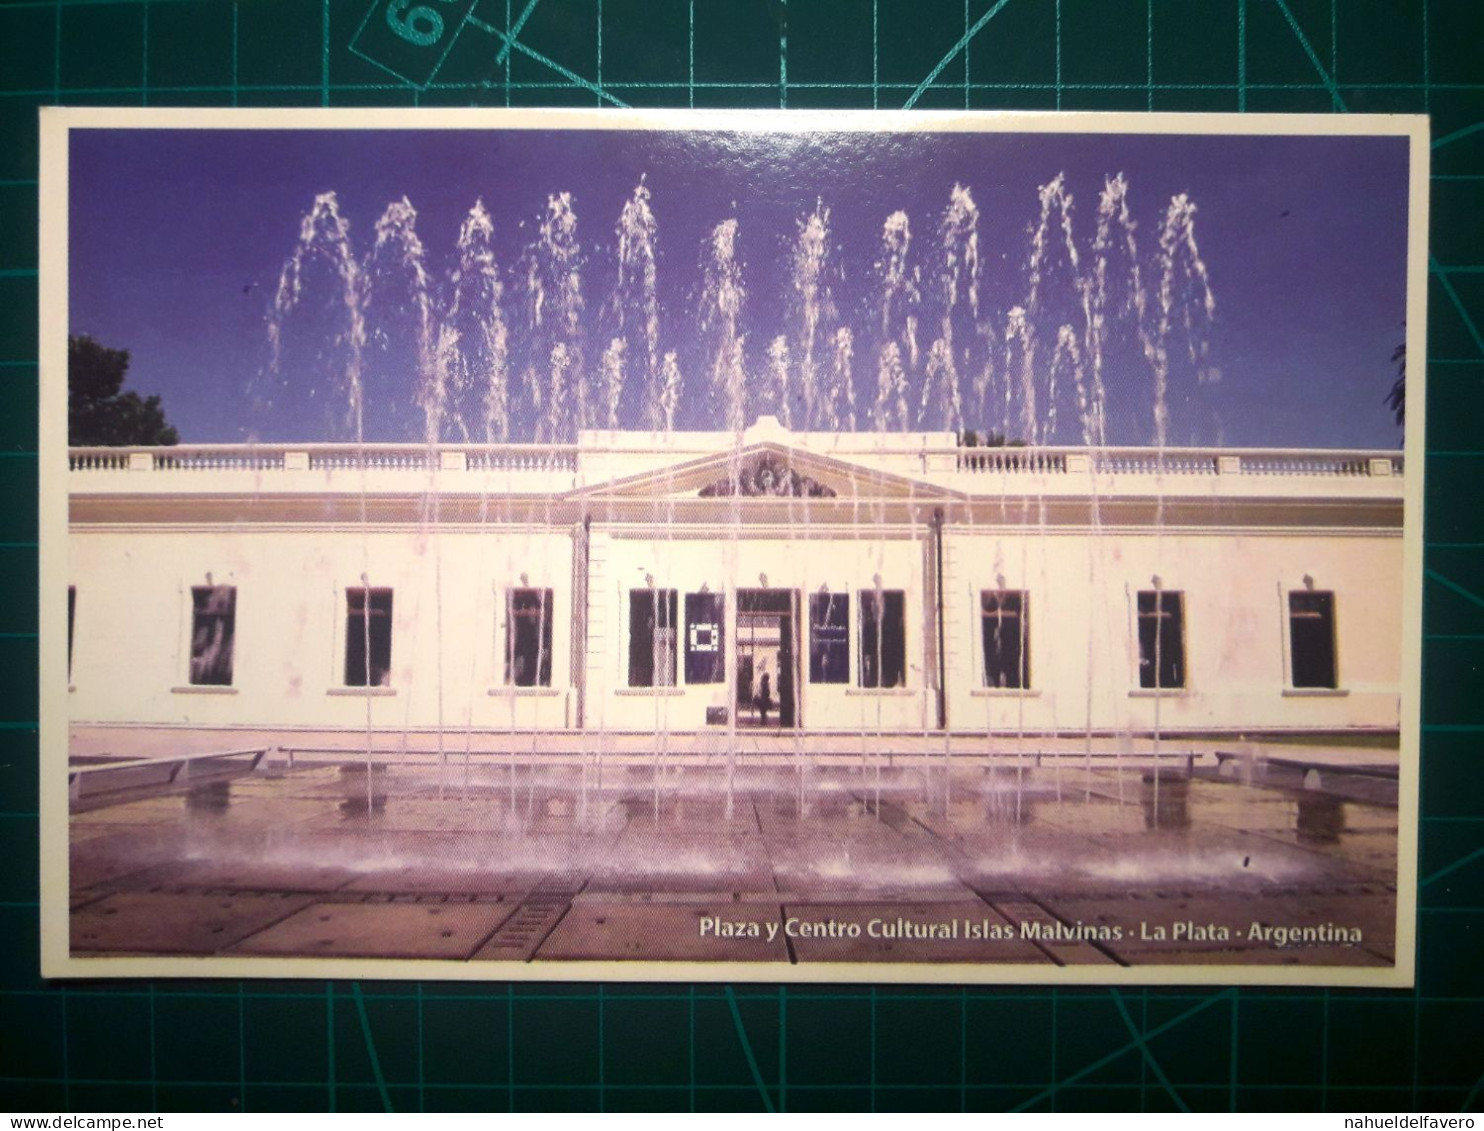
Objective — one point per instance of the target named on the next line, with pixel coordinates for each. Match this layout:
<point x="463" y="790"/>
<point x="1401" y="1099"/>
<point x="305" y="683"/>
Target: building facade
<point x="769" y="581"/>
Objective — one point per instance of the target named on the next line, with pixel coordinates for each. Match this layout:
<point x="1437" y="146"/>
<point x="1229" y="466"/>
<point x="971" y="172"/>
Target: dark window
<point x="1311" y="632"/>
<point x="705" y="655"/>
<point x="652" y="637"/>
<point x="368" y="637"/>
<point x="829" y="638"/>
<point x="1161" y="639"/>
<point x="213" y="629"/>
<point x="528" y="637"/>
<point x="1003" y="621"/>
<point x="71" y="617"/>
<point x="883" y="638"/>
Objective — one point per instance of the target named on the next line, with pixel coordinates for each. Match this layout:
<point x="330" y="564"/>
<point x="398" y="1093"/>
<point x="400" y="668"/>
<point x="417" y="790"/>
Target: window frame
<point x="695" y="599"/>
<point x="195" y="614"/>
<point x="844" y="678"/>
<point x="1161" y="595"/>
<point x="882" y="616"/>
<point x="545" y="646"/>
<point x="1290" y="651"/>
<point x="1022" y="617"/>
<point x="669" y="599"/>
<point x="345" y="614"/>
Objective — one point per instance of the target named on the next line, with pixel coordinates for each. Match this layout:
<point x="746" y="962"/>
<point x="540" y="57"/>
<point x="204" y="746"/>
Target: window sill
<point x="1315" y="692"/>
<point x="203" y="689"/>
<point x="1005" y="692"/>
<point x="363" y="692"/>
<point x="649" y="692"/>
<point x="526" y="692"/>
<point x="883" y="692"/>
<point x="1159" y="693"/>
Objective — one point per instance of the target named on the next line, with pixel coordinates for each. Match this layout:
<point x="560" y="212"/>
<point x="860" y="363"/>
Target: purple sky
<point x="178" y="238"/>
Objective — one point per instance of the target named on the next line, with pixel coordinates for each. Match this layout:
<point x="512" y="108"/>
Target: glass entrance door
<point x="767" y="647"/>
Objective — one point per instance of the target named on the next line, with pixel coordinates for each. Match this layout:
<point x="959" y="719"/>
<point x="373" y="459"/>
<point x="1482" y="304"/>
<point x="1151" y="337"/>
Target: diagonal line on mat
<point x="386" y="1099"/>
<point x="1453" y="585"/>
<point x="1329" y="82"/>
<point x="379" y="65"/>
<point x="515" y="29"/>
<point x="961" y="45"/>
<point x="1178" y="1019"/>
<point x="1457" y="134"/>
<point x="757" y="1076"/>
<point x="453" y="39"/>
<point x="1146" y="1053"/>
<point x="571" y="76"/>
<point x="1448" y="869"/>
<point x="1468" y="1100"/>
<point x="1468" y="321"/>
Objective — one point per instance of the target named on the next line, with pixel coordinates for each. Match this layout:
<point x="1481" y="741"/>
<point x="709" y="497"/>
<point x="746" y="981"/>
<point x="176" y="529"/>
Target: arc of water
<point x="778" y="391"/>
<point x="890" y="411"/>
<point x="613" y="377"/>
<point x="670" y="385"/>
<point x="813" y="304"/>
<point x="554" y="307"/>
<point x="940" y="387"/>
<point x="721" y="310"/>
<point x="324" y="237"/>
<point x="1181" y="269"/>
<point x="398" y="252"/>
<point x="842" y="389"/>
<point x="473" y="340"/>
<point x="636" y="290"/>
<point x="1053" y="253"/>
<point x="958" y="288"/>
<point x="1018" y="348"/>
<point x="1115" y="242"/>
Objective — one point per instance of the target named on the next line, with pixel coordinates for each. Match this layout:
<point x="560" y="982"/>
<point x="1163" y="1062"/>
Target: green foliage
<point x="970" y="438"/>
<point x="1396" y="400"/>
<point x="99" y="412"/>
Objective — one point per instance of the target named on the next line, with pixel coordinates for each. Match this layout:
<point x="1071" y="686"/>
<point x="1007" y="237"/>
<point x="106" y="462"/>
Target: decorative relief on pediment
<point x="768" y="475"/>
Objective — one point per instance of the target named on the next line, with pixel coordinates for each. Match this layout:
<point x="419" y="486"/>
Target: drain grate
<point x="522" y="933"/>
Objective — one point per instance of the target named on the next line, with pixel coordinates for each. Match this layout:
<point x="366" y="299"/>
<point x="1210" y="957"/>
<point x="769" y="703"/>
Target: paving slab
<point x="650" y="857"/>
<point x="243" y="875"/>
<point x="175" y="923"/>
<point x="450" y="878"/>
<point x="111" y="858"/>
<point x="153" y="811"/>
<point x="734" y="932"/>
<point x="636" y="871"/>
<point x="1039" y="927"/>
<point x="380" y="930"/>
<point x="528" y="926"/>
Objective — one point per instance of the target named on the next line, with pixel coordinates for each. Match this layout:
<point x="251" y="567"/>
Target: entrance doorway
<point x="767" y="647"/>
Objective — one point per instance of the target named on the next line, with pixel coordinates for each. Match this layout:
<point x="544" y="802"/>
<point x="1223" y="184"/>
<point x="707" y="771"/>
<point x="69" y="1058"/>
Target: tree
<point x="99" y="412"/>
<point x="1396" y="400"/>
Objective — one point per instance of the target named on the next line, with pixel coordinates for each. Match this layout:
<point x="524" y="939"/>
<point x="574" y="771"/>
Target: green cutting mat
<point x="342" y="1045"/>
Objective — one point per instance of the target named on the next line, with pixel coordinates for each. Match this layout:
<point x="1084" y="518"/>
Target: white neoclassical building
<point x="699" y="583"/>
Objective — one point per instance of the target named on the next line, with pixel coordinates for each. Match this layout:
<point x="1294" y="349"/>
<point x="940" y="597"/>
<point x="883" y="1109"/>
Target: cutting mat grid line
<point x="342" y="1045"/>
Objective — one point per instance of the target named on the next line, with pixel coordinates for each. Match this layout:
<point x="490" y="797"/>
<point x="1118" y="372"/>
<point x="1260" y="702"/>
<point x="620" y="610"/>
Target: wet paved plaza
<point x="1053" y="865"/>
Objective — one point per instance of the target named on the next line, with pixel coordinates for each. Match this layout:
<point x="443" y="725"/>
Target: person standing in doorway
<point x="764" y="694"/>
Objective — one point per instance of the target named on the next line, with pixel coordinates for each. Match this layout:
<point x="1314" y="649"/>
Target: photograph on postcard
<point x="756" y="547"/>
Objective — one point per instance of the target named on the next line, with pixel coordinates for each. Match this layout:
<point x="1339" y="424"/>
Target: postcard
<point x="909" y="547"/>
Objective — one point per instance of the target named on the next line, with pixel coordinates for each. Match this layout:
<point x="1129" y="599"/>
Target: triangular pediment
<point x="768" y="470"/>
